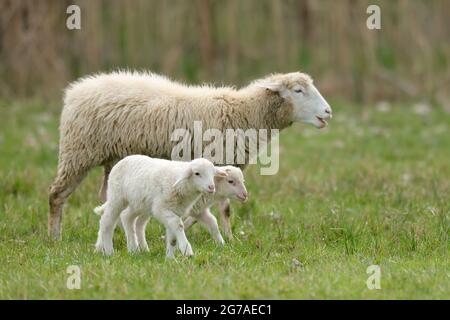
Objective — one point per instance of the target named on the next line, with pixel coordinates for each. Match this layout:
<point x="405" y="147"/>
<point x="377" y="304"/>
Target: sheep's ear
<point x="220" y="173"/>
<point x="185" y="174"/>
<point x="274" y="86"/>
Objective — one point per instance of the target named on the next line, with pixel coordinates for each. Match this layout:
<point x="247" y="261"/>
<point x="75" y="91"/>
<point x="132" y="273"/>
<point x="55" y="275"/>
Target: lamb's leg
<point x="174" y="224"/>
<point x="141" y="223"/>
<point x="171" y="242"/>
<point x="108" y="222"/>
<point x="62" y="187"/>
<point x="104" y="187"/>
<point x="207" y="219"/>
<point x="189" y="222"/>
<point x="225" y="213"/>
<point x="128" y="218"/>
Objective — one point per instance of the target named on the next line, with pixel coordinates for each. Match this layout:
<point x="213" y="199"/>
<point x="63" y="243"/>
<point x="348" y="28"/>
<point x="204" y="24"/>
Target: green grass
<point x="372" y="188"/>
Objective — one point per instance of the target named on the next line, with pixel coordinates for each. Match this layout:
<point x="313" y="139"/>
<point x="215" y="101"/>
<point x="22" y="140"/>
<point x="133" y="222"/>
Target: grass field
<point x="372" y="188"/>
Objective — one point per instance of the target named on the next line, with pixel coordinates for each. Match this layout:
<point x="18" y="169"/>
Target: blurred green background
<point x="232" y="42"/>
<point x="371" y="188"/>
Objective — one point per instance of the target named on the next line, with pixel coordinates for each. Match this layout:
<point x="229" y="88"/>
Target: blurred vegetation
<point x="372" y="188"/>
<point x="231" y="42"/>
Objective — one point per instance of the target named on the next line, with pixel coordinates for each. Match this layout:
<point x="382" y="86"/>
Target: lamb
<point x="107" y="117"/>
<point x="226" y="188"/>
<point x="166" y="189"/>
<point x="230" y="186"/>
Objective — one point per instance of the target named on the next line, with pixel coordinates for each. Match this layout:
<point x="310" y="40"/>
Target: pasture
<point x="373" y="188"/>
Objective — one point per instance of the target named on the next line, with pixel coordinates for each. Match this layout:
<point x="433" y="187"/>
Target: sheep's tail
<point x="100" y="209"/>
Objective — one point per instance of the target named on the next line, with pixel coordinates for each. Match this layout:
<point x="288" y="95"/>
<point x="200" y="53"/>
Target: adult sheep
<point x="107" y="117"/>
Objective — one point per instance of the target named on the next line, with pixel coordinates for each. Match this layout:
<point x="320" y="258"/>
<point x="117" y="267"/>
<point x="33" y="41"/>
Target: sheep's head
<point x="200" y="174"/>
<point x="308" y="104"/>
<point x="232" y="186"/>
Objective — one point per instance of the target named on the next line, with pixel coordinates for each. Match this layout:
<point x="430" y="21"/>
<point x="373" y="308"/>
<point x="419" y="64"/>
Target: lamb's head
<point x="232" y="186"/>
<point x="199" y="174"/>
<point x="308" y="105"/>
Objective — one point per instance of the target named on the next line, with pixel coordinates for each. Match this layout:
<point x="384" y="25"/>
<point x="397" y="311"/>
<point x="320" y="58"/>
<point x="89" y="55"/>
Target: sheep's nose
<point x="244" y="196"/>
<point x="328" y="112"/>
<point x="211" y="188"/>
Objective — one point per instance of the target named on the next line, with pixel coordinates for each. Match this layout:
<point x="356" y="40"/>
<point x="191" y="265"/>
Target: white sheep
<point x="230" y="187"/>
<point x="109" y="116"/>
<point x="166" y="189"/>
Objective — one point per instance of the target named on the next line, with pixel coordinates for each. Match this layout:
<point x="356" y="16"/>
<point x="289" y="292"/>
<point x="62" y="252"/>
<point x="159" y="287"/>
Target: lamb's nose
<point x="328" y="112"/>
<point x="211" y="188"/>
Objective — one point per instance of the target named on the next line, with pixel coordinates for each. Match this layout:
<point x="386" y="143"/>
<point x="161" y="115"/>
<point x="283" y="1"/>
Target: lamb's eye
<point x="230" y="181"/>
<point x="298" y="90"/>
<point x="197" y="173"/>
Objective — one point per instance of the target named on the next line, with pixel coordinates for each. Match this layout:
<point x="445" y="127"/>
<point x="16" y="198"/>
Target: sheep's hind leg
<point x="225" y="213"/>
<point x="104" y="187"/>
<point x="62" y="187"/>
<point x="103" y="192"/>
<point x="128" y="218"/>
<point x="108" y="223"/>
<point x="141" y="223"/>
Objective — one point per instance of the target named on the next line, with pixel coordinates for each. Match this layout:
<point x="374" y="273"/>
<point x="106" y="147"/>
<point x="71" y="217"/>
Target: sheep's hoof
<point x="170" y="256"/>
<point x="102" y="250"/>
<point x="220" y="241"/>
<point x="230" y="237"/>
<point x="133" y="250"/>
<point x="54" y="237"/>
<point x="188" y="252"/>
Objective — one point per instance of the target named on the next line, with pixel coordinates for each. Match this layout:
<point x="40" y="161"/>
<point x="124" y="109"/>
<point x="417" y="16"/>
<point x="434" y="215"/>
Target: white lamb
<point x="166" y="189"/>
<point x="229" y="187"/>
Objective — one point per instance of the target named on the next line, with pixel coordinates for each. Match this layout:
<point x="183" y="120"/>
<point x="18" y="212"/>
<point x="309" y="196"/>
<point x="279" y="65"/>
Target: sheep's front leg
<point x="225" y="213"/>
<point x="141" y="223"/>
<point x="189" y="222"/>
<point x="171" y="243"/>
<point x="207" y="219"/>
<point x="128" y="218"/>
<point x="175" y="226"/>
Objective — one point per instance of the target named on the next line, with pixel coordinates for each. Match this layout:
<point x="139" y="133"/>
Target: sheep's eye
<point x="298" y="90"/>
<point x="197" y="173"/>
<point x="230" y="181"/>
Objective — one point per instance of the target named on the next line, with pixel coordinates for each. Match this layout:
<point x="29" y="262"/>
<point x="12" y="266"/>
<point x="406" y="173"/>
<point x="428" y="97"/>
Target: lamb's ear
<point x="185" y="174"/>
<point x="220" y="173"/>
<point x="274" y="86"/>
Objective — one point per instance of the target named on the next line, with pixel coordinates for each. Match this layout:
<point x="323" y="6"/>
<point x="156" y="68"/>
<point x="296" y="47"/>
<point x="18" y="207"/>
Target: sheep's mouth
<point x="322" y="121"/>
<point x="241" y="198"/>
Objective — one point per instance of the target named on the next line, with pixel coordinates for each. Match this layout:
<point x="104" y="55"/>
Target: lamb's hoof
<point x="220" y="241"/>
<point x="102" y="250"/>
<point x="230" y="237"/>
<point x="187" y="252"/>
<point x="133" y="250"/>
